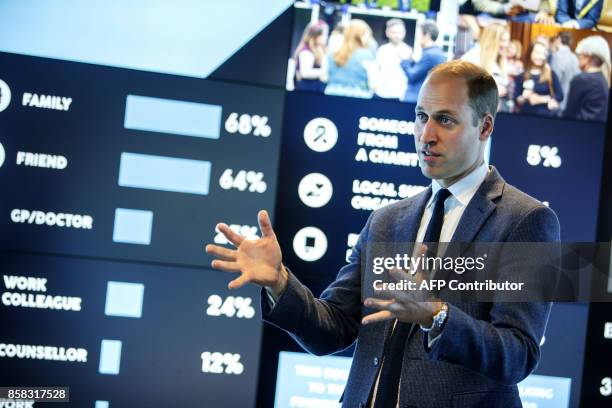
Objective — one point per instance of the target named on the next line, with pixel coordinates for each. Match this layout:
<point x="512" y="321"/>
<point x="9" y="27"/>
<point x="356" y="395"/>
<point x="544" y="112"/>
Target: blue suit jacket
<point x="416" y="72"/>
<point x="484" y="350"/>
<point x="566" y="11"/>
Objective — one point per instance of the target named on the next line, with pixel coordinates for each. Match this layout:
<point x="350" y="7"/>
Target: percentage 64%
<point x="244" y="180"/>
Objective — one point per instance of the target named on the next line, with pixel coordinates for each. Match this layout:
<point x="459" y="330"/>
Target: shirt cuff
<point x="271" y="300"/>
<point x="432" y="337"/>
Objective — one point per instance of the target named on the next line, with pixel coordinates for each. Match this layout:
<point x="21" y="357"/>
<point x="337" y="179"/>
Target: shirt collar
<point x="464" y="189"/>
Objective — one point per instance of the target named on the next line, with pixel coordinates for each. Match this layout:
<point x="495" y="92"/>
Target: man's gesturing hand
<point x="417" y="306"/>
<point x="258" y="260"/>
<point x="406" y="307"/>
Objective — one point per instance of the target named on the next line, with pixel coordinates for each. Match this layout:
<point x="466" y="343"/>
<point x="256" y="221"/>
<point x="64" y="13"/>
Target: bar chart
<point x="149" y="166"/>
<point x="168" y="159"/>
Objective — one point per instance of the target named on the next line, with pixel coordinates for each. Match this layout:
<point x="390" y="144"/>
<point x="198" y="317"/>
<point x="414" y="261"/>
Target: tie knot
<point x="442" y="195"/>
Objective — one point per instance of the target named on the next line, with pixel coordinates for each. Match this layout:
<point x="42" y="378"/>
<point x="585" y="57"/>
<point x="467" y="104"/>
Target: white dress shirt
<point x="461" y="193"/>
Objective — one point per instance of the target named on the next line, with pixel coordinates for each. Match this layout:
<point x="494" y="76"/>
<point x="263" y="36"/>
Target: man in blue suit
<point x="455" y="354"/>
<point x="432" y="55"/>
<point x="579" y="14"/>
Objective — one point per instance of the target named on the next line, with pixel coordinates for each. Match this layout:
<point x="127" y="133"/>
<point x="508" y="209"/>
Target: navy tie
<point x="395" y="345"/>
<point x="432" y="234"/>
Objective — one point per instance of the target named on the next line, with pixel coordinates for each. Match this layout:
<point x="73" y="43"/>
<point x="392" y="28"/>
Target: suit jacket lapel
<point x="479" y="208"/>
<point x="410" y="219"/>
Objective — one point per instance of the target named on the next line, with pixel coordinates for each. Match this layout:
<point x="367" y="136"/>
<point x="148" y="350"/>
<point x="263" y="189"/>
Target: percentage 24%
<point x="232" y="306"/>
<point x="247" y="124"/>
<point x="243" y="180"/>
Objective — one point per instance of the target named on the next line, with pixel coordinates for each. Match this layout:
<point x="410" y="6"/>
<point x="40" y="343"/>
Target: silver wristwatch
<point x="438" y="319"/>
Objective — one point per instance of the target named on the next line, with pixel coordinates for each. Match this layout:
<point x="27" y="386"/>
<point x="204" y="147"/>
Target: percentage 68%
<point x="246" y="124"/>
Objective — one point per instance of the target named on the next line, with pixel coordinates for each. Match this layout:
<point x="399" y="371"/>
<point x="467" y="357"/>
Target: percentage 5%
<point x="221" y="363"/>
<point x="244" y="180"/>
<point x="247" y="124"/>
<point x="232" y="306"/>
<point x="548" y="156"/>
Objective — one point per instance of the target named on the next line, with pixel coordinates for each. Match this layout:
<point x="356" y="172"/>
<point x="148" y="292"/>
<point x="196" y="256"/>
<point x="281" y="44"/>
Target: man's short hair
<point x="429" y="27"/>
<point x="395" y="21"/>
<point x="565" y="37"/>
<point x="482" y="89"/>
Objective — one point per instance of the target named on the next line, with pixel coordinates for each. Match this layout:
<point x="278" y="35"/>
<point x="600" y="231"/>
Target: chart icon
<point x="315" y="190"/>
<point x="320" y="134"/>
<point x="310" y="244"/>
<point x="5" y="95"/>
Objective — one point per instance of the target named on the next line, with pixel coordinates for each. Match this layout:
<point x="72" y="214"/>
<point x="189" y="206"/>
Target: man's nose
<point x="429" y="135"/>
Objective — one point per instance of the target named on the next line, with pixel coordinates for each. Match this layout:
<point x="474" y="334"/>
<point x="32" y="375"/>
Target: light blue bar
<point x="102" y="404"/>
<point x="171" y="116"/>
<point x="124" y="299"/>
<point x="110" y="357"/>
<point x="133" y="226"/>
<point x="164" y="173"/>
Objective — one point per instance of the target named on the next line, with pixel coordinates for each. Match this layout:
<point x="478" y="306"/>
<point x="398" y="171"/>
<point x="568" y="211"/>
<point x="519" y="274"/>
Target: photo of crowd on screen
<point x="577" y="14"/>
<point x="545" y="70"/>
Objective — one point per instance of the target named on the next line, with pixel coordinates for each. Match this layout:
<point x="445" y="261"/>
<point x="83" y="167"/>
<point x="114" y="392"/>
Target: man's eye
<point x="445" y="120"/>
<point x="421" y="116"/>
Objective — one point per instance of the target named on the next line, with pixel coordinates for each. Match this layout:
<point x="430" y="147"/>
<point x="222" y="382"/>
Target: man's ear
<point x="486" y="127"/>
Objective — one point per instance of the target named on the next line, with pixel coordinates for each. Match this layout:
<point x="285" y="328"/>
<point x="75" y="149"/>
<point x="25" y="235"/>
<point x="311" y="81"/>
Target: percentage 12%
<point x="221" y="363"/>
<point x="246" y="124"/>
<point x="243" y="180"/>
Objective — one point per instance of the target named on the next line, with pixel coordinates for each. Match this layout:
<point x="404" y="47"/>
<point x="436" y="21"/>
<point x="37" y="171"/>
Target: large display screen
<point x="128" y="131"/>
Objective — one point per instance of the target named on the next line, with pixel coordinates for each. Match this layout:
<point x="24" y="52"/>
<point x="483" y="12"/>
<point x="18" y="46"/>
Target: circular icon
<point x="320" y="134"/>
<point x="310" y="244"/>
<point x="315" y="190"/>
<point x="5" y="95"/>
<point x="1" y="155"/>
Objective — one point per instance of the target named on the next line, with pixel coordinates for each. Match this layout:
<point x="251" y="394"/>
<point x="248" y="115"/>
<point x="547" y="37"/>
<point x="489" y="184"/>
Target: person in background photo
<point x="491" y="54"/>
<point x="589" y="91"/>
<point x="519" y="11"/>
<point x="514" y="59"/>
<point x="538" y="89"/>
<point x="336" y="38"/>
<point x="578" y="13"/>
<point x="468" y="33"/>
<point x="432" y="55"/>
<point x="563" y="62"/>
<point x="392" y="83"/>
<point x="350" y="68"/>
<point x="310" y="58"/>
<point x="544" y="40"/>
